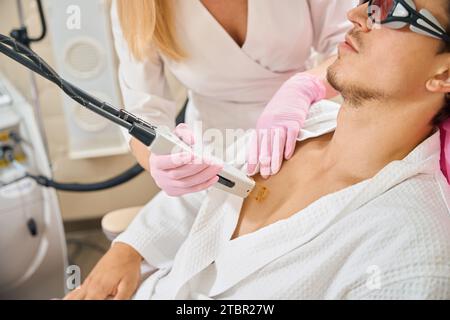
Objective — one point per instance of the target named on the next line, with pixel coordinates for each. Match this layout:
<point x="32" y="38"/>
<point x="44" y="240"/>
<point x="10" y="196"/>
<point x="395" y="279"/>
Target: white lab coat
<point x="385" y="238"/>
<point x="228" y="85"/>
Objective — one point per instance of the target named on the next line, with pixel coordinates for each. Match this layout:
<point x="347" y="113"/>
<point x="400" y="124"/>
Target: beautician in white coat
<point x="232" y="56"/>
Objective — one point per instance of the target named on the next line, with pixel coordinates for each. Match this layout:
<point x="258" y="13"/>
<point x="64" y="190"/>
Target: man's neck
<point x="370" y="136"/>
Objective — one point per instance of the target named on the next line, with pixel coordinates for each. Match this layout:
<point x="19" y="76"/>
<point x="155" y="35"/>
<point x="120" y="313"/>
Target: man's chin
<point x="333" y="76"/>
<point x="354" y="92"/>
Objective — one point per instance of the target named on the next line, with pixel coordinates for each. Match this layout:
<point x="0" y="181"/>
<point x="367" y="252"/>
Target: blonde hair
<point x="149" y="23"/>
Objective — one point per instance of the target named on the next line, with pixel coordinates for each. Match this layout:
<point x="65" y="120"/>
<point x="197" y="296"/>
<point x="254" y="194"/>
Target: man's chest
<point x="280" y="203"/>
<point x="299" y="184"/>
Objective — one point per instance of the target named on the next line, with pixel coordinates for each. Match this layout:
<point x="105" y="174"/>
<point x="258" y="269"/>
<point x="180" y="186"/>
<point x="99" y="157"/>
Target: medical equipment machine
<point x="160" y="140"/>
<point x="33" y="254"/>
<point x="83" y="52"/>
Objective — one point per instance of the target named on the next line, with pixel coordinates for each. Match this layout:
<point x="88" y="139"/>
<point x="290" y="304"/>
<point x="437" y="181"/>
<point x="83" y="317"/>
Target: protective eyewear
<point x="397" y="14"/>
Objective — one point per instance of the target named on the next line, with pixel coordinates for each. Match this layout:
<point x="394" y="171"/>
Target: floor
<point x="86" y="244"/>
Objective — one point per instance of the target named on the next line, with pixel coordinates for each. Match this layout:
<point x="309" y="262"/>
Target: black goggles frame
<point x="422" y="22"/>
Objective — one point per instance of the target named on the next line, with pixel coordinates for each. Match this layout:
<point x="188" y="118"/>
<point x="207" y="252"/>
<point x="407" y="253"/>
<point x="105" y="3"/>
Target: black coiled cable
<point x="28" y="58"/>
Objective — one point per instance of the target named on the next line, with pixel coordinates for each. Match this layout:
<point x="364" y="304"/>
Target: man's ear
<point x="440" y="83"/>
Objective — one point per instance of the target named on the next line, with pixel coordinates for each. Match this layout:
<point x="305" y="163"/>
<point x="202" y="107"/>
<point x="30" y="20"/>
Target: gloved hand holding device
<point x="181" y="173"/>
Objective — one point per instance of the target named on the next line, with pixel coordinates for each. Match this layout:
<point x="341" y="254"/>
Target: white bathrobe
<point x="385" y="238"/>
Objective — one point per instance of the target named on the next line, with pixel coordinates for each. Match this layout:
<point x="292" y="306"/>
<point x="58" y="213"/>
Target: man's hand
<point x="116" y="276"/>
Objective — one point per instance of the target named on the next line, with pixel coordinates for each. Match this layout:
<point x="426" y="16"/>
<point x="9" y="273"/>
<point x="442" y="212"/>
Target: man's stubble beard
<point x="354" y="95"/>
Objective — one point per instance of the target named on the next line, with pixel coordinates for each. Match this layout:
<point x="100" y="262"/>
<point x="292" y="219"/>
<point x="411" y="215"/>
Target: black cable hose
<point x="33" y="62"/>
<point x="21" y="34"/>
<point x="99" y="186"/>
<point x="43" y="23"/>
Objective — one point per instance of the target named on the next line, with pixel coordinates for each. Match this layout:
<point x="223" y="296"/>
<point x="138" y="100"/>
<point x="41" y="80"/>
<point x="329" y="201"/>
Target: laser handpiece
<point x="160" y="140"/>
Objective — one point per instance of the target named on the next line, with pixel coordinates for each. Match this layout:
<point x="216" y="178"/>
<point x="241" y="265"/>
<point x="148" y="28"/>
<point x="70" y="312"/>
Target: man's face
<point x="387" y="64"/>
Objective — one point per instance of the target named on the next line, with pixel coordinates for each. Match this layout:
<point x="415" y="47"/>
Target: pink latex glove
<point x="278" y="127"/>
<point x="181" y="173"/>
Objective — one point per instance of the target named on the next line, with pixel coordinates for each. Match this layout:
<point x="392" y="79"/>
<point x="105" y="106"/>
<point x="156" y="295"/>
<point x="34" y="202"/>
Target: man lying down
<point x="361" y="211"/>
